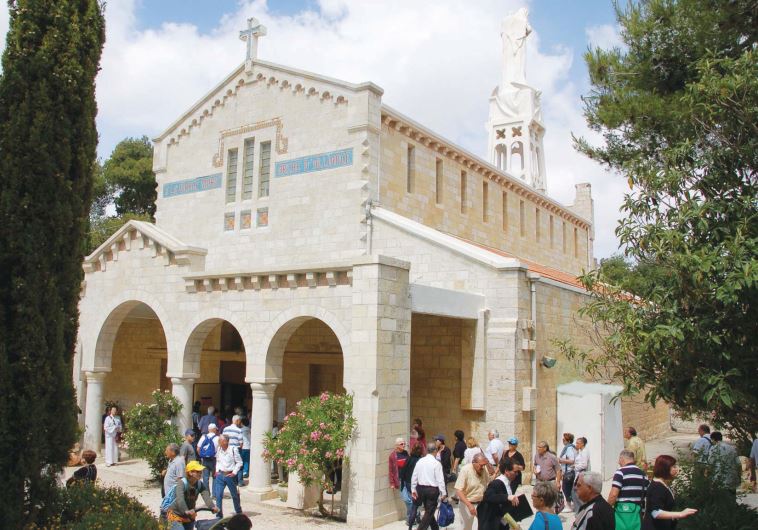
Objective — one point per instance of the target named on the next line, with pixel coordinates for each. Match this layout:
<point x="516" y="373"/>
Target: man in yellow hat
<point x="181" y="513"/>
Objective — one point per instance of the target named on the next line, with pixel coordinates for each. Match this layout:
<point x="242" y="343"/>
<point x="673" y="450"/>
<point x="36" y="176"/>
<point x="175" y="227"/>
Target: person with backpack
<point x="180" y="501"/>
<point x="206" y="450"/>
<point x="175" y="469"/>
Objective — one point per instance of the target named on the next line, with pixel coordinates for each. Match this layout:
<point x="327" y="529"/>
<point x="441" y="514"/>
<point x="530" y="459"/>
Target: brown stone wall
<point x="436" y="350"/>
<point x="503" y="227"/>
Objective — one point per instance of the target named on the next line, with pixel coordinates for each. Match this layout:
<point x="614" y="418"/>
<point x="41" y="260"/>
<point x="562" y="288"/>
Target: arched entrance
<point x="130" y="362"/>
<point x="215" y="357"/>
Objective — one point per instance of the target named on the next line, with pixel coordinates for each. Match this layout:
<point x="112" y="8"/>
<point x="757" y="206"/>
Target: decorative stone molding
<point x="416" y="132"/>
<point x="280" y="145"/>
<point x="147" y="236"/>
<point x="307" y="278"/>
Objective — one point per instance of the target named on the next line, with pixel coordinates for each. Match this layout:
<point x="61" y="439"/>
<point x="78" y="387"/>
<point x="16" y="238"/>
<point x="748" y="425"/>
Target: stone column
<point x="182" y="388"/>
<point x="261" y="422"/>
<point x="94" y="409"/>
<point x="377" y="371"/>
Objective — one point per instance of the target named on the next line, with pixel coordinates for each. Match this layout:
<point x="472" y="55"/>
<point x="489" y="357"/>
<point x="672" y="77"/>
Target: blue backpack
<point x="208" y="449"/>
<point x="446" y="516"/>
<point x="170" y="497"/>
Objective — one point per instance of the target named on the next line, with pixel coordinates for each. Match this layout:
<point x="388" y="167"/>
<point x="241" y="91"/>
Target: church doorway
<point x="217" y="353"/>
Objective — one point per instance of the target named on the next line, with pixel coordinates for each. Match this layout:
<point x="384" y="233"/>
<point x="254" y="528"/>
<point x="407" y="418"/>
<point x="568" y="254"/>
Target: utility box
<point x="588" y="409"/>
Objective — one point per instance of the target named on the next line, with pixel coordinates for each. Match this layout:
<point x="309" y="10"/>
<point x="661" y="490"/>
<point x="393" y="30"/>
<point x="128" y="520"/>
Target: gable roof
<point x="145" y="235"/>
<point x="213" y="98"/>
<point x="486" y="255"/>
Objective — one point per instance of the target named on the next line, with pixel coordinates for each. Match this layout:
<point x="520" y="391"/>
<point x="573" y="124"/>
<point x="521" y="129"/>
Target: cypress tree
<point x="47" y="152"/>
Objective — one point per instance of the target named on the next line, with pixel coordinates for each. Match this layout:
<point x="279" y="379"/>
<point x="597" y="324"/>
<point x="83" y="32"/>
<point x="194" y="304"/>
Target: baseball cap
<point x="513" y="440"/>
<point x="194" y="466"/>
<point x="440" y="437"/>
<point x="188" y="432"/>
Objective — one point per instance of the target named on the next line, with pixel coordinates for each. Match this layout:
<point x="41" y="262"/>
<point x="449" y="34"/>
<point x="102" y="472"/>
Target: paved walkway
<point x="131" y="477"/>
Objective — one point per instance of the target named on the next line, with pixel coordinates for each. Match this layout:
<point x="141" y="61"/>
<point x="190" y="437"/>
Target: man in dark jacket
<point x="498" y="497"/>
<point x="595" y="513"/>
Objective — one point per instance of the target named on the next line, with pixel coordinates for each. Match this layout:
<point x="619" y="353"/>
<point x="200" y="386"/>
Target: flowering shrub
<point x="312" y="439"/>
<point x="150" y="429"/>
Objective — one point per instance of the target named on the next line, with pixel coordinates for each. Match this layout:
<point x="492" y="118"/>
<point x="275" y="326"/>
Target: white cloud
<point x="437" y="62"/>
<point x="604" y="36"/>
<point x="4" y="19"/>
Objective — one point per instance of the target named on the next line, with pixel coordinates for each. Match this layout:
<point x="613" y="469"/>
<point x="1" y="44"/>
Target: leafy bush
<point x="150" y="429"/>
<point x="697" y="486"/>
<point x="312" y="439"/>
<point x="87" y="506"/>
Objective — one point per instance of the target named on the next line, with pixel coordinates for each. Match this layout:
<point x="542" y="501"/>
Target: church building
<point x="309" y="237"/>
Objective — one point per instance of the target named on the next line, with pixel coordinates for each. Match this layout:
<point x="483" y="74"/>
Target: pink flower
<point x="303" y="450"/>
<point x="309" y="423"/>
<point x="340" y="452"/>
<point x="291" y="462"/>
<point x="324" y="396"/>
<point x="327" y="437"/>
<point x="322" y="425"/>
<point x="328" y="454"/>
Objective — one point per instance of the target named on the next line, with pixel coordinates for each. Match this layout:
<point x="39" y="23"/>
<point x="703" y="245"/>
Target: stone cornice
<point x="142" y="235"/>
<point x="418" y="133"/>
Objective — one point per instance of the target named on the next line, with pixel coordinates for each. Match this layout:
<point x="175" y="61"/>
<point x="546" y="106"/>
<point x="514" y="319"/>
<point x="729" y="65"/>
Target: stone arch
<point x="266" y="365"/>
<point x="517" y="156"/>
<point x="501" y="157"/>
<point x="110" y="319"/>
<point x="186" y="363"/>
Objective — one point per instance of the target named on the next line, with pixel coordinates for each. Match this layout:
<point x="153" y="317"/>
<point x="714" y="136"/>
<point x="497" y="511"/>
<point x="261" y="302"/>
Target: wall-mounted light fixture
<point x="548" y="362"/>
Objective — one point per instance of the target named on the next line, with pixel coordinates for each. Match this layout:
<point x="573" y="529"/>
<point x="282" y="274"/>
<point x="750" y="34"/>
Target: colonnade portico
<point x="262" y="418"/>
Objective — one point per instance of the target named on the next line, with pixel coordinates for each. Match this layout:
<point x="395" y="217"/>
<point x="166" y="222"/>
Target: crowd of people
<point x="215" y="453"/>
<point x="486" y="484"/>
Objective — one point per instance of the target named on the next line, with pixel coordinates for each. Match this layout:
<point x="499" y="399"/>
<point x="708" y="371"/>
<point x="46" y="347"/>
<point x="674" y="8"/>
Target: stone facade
<point x="290" y="255"/>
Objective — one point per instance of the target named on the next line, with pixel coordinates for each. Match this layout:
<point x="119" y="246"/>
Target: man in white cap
<point x="206" y="450"/>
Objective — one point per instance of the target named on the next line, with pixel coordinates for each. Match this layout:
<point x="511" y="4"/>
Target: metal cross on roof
<point x="254" y="30"/>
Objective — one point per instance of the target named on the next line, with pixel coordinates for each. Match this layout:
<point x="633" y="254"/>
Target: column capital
<point x="262" y="389"/>
<point x="95" y="377"/>
<point x="183" y="380"/>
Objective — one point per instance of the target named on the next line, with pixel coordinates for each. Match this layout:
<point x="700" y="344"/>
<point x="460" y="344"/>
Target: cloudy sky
<point x="437" y="61"/>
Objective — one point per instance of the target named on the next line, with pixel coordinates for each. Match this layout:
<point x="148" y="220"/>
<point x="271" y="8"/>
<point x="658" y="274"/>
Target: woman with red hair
<point x="660" y="500"/>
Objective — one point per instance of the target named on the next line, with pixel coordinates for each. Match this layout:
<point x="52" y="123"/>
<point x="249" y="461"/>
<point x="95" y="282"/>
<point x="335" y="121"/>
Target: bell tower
<point x="515" y="120"/>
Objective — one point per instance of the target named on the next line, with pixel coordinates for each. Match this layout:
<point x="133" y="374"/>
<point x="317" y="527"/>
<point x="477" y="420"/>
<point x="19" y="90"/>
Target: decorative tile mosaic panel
<point x="246" y="219"/>
<point x="320" y="162"/>
<point x="183" y="187"/>
<point x="228" y="221"/>
<point x="261" y="218"/>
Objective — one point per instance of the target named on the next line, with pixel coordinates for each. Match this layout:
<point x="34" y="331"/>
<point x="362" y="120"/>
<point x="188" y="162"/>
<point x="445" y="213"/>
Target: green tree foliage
<point x="47" y="150"/>
<point x="149" y="429"/>
<point x="129" y="176"/>
<point x="635" y="278"/>
<point x="677" y="108"/>
<point x="312" y="440"/>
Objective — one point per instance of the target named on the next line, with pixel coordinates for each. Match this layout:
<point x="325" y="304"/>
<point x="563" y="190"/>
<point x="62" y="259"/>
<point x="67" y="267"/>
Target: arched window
<point x="500" y="157"/>
<point x="517" y="156"/>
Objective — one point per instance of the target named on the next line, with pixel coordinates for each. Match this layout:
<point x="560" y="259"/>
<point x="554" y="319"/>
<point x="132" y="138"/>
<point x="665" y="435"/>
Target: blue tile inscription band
<point x="183" y="187"/>
<point x="308" y="164"/>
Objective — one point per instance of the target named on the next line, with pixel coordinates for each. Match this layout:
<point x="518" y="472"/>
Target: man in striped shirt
<point x="628" y="492"/>
<point x="234" y="432"/>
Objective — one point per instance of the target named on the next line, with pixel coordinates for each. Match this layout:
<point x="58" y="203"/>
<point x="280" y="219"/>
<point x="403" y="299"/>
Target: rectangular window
<point x="439" y="181"/>
<point x="537" y="220"/>
<point x="551" y="229"/>
<point x="264" y="171"/>
<point x="464" y="185"/>
<point x="505" y="211"/>
<point x="521" y="218"/>
<point x="410" y="169"/>
<point x="563" y="237"/>
<point x="261" y="217"/>
<point x="245" y="220"/>
<point x="576" y="242"/>
<point x="231" y="176"/>
<point x="485" y="201"/>
<point x="247" y="178"/>
<point x="228" y="221"/>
